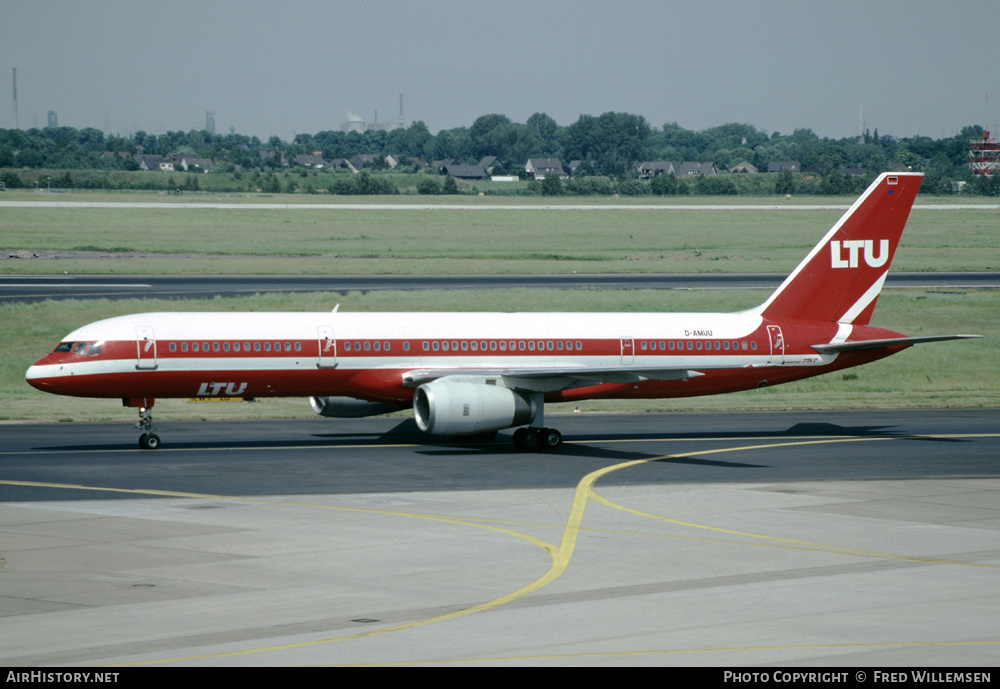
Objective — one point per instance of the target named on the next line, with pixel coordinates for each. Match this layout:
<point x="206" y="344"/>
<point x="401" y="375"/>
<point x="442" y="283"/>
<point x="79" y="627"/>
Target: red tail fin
<point x="842" y="276"/>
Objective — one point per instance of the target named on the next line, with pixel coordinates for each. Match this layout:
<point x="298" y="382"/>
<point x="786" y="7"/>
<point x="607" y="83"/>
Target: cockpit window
<point x="81" y="348"/>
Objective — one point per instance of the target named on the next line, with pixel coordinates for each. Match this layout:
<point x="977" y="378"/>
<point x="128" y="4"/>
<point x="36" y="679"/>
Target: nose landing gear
<point x="148" y="440"/>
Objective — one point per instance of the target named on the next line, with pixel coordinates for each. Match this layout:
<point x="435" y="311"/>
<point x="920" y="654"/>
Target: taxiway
<point x="820" y="538"/>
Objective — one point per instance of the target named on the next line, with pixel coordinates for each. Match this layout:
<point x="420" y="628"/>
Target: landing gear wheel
<point x="526" y="438"/>
<point x="551" y="438"/>
<point x="540" y="438"/>
<point x="149" y="441"/>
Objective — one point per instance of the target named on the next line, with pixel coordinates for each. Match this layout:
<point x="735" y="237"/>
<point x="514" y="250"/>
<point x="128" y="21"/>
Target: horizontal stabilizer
<point x="840" y="347"/>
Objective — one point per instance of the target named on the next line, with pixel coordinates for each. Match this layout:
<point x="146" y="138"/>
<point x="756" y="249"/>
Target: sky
<point x="904" y="67"/>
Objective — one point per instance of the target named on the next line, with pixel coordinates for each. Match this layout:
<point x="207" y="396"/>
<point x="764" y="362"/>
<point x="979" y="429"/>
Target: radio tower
<point x="15" y="98"/>
<point x="984" y="155"/>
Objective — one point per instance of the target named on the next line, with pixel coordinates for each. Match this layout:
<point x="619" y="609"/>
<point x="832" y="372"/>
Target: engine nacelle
<point x="466" y="405"/>
<point x="349" y="407"/>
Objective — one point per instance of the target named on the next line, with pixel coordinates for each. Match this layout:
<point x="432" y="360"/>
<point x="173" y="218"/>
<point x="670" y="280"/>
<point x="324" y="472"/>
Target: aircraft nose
<point x="39" y="374"/>
<point x="34" y="377"/>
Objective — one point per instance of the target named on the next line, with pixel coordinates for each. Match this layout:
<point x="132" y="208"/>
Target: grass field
<point x="949" y="374"/>
<point x="468" y="241"/>
<point x="504" y="240"/>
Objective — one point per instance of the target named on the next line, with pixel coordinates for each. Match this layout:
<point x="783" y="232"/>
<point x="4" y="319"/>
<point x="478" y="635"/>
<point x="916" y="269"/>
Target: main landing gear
<point x="537" y="439"/>
<point x="148" y="440"/>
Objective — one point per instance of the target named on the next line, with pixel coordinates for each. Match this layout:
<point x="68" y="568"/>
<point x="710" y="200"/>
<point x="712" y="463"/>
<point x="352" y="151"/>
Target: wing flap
<point x="552" y="379"/>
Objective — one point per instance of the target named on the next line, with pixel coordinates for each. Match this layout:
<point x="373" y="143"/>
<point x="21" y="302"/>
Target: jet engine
<point x="349" y="407"/>
<point x="466" y="405"/>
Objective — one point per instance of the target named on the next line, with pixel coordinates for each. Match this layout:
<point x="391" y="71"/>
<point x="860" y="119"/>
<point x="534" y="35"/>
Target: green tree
<point x="545" y="130"/>
<point x="552" y="186"/>
<point x="429" y="186"/>
<point x="664" y="185"/>
<point x="785" y="183"/>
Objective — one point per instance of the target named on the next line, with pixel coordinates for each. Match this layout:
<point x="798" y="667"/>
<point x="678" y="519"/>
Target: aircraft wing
<point x="840" y="347"/>
<point x="553" y="379"/>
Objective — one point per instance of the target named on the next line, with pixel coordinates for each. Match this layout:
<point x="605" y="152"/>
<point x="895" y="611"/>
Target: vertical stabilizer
<point x="840" y="279"/>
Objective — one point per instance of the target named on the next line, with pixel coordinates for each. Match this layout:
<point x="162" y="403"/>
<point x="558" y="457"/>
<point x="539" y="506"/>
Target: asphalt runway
<point x="862" y="538"/>
<point x="27" y="288"/>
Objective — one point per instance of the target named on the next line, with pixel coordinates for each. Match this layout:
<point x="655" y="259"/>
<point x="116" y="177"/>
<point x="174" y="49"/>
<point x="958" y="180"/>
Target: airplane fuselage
<point x="367" y="356"/>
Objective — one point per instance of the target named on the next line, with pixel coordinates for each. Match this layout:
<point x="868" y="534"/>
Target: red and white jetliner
<point x="477" y="373"/>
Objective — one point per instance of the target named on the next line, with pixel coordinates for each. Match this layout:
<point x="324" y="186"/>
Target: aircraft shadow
<point x="581" y="445"/>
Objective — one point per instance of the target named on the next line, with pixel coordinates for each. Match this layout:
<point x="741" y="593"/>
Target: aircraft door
<point x="145" y="342"/>
<point x="327" y="347"/>
<point x="777" y="345"/>
<point x="628" y="350"/>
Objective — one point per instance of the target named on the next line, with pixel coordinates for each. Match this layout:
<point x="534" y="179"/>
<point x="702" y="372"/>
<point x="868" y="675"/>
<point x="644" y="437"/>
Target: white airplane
<point x="477" y="373"/>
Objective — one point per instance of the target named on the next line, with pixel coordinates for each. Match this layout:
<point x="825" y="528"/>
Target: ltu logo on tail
<point x="853" y="247"/>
